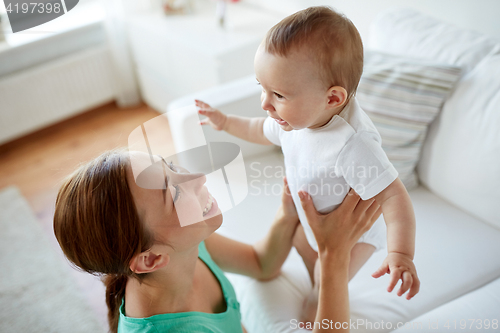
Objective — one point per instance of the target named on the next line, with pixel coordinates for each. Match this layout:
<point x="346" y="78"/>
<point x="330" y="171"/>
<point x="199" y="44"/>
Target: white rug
<point x="37" y="294"/>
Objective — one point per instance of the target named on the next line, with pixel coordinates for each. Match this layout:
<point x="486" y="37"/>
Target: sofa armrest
<point x="240" y="97"/>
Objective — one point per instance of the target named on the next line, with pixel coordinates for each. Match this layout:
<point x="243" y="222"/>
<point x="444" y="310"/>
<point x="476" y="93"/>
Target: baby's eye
<point x="278" y="95"/>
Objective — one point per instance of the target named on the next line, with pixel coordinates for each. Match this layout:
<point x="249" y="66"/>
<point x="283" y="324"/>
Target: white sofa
<point x="457" y="205"/>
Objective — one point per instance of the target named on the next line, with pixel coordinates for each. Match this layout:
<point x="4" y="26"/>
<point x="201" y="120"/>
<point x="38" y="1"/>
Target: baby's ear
<point x="337" y="96"/>
<point x="148" y="262"/>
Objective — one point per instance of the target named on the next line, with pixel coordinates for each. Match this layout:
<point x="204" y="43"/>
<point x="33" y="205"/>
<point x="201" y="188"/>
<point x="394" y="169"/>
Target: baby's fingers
<point x="415" y="288"/>
<point x="395" y="276"/>
<point x="201" y="103"/>
<point x="205" y="112"/>
<point x="407" y="282"/>
<point x="384" y="269"/>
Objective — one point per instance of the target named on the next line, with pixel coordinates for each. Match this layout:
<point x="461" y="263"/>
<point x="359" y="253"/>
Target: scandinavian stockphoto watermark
<point x="319" y="180"/>
<point x="25" y="14"/>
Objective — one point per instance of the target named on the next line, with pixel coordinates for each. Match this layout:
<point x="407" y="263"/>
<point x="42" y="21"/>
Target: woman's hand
<point x="339" y="230"/>
<point x="287" y="208"/>
<point x="336" y="233"/>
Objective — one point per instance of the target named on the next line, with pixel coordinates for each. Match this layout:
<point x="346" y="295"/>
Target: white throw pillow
<point x="402" y="96"/>
<point x="407" y="32"/>
<point x="461" y="155"/>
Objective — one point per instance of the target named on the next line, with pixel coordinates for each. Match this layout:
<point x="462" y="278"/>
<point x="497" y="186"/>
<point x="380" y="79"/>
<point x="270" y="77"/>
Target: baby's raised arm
<point x="248" y="129"/>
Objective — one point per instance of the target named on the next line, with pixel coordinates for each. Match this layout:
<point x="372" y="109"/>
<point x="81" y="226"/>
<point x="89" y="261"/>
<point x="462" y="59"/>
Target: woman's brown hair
<point x="97" y="225"/>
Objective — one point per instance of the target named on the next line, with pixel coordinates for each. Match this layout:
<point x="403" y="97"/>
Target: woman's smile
<point x="208" y="206"/>
<point x="211" y="208"/>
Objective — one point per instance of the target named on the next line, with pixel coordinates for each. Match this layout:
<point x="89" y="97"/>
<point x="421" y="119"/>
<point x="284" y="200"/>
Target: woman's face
<point x="183" y="213"/>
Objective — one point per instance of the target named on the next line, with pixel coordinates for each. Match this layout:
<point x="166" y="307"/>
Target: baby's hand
<point x="400" y="266"/>
<point x="215" y="118"/>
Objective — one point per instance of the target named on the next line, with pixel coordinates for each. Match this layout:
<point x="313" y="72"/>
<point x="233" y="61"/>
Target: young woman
<point x="162" y="277"/>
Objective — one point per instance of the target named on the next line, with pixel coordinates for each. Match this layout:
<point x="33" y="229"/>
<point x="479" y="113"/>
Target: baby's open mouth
<point x="280" y="121"/>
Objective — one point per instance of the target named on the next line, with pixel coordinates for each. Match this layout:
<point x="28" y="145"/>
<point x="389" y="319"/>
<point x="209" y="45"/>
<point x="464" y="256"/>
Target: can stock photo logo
<point x="26" y="14"/>
<point x="213" y="172"/>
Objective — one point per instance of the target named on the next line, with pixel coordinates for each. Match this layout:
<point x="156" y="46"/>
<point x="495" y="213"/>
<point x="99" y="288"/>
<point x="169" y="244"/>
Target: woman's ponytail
<point x="97" y="225"/>
<point x="115" y="291"/>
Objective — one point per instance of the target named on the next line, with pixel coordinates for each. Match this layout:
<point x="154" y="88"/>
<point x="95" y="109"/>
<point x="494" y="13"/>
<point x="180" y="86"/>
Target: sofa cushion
<point x="402" y="96"/>
<point x="461" y="159"/>
<point x="461" y="155"/>
<point x="454" y="255"/>
<point x="475" y="312"/>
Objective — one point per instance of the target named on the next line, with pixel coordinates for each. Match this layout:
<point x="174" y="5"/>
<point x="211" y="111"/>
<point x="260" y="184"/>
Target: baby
<point x="309" y="66"/>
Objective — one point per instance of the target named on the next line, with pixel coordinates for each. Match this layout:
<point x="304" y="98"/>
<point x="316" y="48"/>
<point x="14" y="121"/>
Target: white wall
<point x="479" y="15"/>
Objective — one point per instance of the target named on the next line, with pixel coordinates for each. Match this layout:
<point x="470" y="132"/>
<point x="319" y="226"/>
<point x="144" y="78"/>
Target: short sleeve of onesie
<point x="272" y="131"/>
<point x="364" y="165"/>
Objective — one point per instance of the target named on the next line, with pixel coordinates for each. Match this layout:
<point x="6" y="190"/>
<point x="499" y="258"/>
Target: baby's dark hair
<point x="330" y="37"/>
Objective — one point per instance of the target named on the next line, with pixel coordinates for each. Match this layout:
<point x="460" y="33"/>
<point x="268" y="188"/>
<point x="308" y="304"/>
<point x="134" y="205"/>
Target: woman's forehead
<point x="148" y="171"/>
<point x="140" y="160"/>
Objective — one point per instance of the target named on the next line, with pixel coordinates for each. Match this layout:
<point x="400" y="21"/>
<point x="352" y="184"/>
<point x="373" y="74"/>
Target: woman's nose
<point x="196" y="180"/>
<point x="179" y="178"/>
<point x="199" y="182"/>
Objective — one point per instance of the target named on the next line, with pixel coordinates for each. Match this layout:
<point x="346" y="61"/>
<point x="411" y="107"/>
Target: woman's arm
<point x="336" y="233"/>
<point x="264" y="259"/>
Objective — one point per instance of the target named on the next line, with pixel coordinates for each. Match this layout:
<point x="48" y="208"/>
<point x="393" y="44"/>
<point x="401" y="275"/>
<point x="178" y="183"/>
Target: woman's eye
<point x="177" y="193"/>
<point x="278" y="95"/>
<point x="177" y="168"/>
<point x="172" y="167"/>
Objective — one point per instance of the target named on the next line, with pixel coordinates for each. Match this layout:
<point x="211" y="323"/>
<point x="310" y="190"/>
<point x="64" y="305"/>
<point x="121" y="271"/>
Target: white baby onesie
<point x="328" y="161"/>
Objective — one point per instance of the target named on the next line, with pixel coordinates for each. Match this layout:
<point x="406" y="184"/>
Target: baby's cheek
<point x="297" y="120"/>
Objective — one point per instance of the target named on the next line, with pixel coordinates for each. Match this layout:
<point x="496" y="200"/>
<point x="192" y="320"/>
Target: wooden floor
<point x="38" y="162"/>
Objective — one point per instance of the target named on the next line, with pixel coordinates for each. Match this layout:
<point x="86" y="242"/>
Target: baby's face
<point x="292" y="90"/>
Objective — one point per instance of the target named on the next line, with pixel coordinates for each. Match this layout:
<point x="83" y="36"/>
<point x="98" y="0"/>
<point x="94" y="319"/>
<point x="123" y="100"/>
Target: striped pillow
<point x="402" y="96"/>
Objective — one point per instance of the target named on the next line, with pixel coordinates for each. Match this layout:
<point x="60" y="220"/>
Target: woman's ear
<point x="148" y="262"/>
<point x="337" y="96"/>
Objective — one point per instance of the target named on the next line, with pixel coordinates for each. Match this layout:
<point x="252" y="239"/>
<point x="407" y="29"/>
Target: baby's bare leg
<point x="360" y="254"/>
